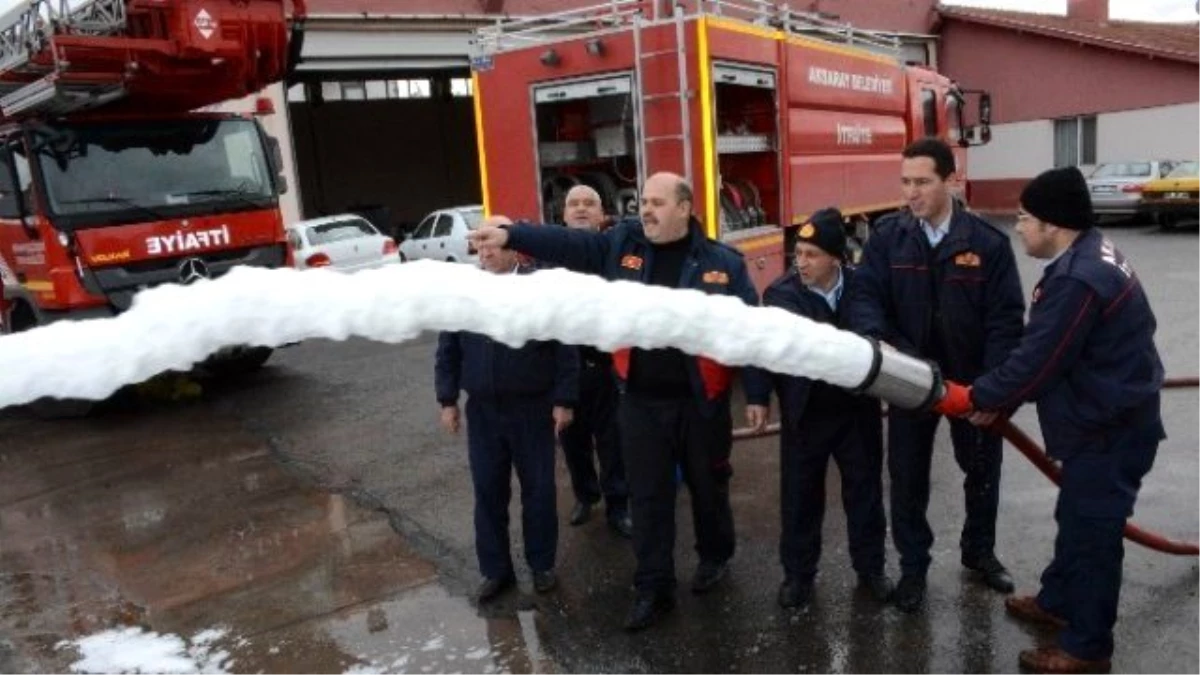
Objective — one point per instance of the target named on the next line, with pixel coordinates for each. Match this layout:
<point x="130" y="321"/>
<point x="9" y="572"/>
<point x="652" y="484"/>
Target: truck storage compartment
<point x="748" y="161"/>
<point x="585" y="135"/>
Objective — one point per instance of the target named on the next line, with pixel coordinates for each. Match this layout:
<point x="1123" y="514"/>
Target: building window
<point x="411" y="88"/>
<point x="461" y="87"/>
<point x="1075" y="141"/>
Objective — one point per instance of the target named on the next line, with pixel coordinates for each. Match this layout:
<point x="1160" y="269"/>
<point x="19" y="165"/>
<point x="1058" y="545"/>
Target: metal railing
<point x="513" y="33"/>
<point x="29" y="28"/>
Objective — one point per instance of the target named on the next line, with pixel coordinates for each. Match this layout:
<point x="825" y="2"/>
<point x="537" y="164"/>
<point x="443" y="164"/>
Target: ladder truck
<point x="770" y="113"/>
<point x="113" y="175"/>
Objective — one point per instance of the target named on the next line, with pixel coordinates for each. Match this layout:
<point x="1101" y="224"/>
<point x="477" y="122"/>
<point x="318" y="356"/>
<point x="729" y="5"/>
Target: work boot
<point x="621" y="523"/>
<point x="1027" y="609"/>
<point x="909" y="595"/>
<point x="708" y="574"/>
<point x="490" y="588"/>
<point x="991" y="572"/>
<point x="581" y="513"/>
<point x="795" y="593"/>
<point x="879" y="585"/>
<point x="545" y="581"/>
<point x="1055" y="660"/>
<point x="648" y="608"/>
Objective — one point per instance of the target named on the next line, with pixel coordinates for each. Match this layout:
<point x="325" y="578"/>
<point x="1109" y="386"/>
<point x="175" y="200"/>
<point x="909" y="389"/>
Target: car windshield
<point x="1185" y="170"/>
<point x="152" y="169"/>
<point x="339" y="230"/>
<point x="474" y="218"/>
<point x="1123" y="170"/>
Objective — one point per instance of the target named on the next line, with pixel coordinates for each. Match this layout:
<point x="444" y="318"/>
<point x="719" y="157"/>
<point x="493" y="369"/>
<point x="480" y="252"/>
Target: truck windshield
<point x="104" y="174"/>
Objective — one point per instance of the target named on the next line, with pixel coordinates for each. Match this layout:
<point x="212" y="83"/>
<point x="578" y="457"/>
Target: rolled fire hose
<point x="1038" y="457"/>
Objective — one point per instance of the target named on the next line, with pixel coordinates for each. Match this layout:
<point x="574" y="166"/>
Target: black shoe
<point x="621" y="523"/>
<point x="879" y="585"/>
<point x="991" y="572"/>
<point x="490" y="588"/>
<point x="909" y="595"/>
<point x="708" y="574"/>
<point x="581" y="513"/>
<point x="795" y="593"/>
<point x="544" y="582"/>
<point x="647" y="609"/>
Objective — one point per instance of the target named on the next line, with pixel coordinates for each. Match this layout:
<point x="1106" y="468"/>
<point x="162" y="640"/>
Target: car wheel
<point x="451" y="259"/>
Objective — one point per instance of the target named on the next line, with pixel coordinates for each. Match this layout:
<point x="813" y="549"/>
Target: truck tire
<point x="242" y="361"/>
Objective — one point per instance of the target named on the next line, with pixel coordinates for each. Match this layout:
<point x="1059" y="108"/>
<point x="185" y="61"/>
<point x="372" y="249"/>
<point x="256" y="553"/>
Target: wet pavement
<point x="319" y="518"/>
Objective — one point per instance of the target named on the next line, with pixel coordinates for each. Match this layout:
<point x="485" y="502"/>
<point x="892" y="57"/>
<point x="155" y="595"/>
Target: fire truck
<point x="770" y="113"/>
<point x="115" y="175"/>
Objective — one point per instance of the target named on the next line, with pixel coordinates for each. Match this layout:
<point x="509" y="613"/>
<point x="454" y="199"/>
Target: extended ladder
<point x="682" y="95"/>
<point x="31" y="67"/>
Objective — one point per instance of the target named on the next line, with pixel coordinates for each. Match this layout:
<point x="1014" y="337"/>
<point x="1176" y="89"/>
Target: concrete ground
<point x="319" y="516"/>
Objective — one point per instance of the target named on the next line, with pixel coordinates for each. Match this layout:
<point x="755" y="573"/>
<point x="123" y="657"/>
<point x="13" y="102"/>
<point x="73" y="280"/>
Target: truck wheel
<point x="241" y="361"/>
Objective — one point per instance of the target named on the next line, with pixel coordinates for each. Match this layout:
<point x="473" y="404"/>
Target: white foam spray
<point x="172" y="327"/>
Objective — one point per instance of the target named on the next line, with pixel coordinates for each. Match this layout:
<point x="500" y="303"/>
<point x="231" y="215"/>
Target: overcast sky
<point x="1138" y="10"/>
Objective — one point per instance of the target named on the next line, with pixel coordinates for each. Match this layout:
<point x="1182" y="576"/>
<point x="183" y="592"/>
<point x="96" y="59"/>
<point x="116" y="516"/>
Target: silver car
<point x="1116" y="187"/>
<point x="442" y="235"/>
<point x="345" y="243"/>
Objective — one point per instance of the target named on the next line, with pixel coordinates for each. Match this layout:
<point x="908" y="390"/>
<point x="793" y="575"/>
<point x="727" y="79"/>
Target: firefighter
<point x="940" y="283"/>
<point x="673" y="408"/>
<point x="1088" y="359"/>
<point x="518" y="400"/>
<point x="594" y="430"/>
<point x="820" y="421"/>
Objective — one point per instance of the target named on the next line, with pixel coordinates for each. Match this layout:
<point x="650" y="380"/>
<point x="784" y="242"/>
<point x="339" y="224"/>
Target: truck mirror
<point x="276" y="154"/>
<point x="281" y="184"/>
<point x="985" y="110"/>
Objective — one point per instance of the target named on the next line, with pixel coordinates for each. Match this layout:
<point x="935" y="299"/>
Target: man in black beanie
<point x="820" y="421"/>
<point x="1088" y="359"/>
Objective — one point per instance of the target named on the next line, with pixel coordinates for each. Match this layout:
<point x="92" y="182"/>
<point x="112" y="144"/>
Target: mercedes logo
<point x="192" y="269"/>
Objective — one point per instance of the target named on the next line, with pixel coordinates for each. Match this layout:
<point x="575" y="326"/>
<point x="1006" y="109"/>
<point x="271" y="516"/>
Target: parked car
<point x="1173" y="198"/>
<point x="345" y="242"/>
<point x="442" y="235"/>
<point x="1116" y="187"/>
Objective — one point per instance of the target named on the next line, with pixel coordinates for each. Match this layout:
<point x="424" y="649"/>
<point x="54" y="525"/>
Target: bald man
<point x="674" y="408"/>
<point x="594" y="430"/>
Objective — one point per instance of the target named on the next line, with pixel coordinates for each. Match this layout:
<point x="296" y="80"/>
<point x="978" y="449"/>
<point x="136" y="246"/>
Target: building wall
<point x="1034" y="77"/>
<point x="905" y="16"/>
<point x="1021" y="150"/>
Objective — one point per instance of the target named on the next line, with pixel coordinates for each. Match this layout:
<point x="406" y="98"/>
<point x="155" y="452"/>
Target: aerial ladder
<point x="142" y="55"/>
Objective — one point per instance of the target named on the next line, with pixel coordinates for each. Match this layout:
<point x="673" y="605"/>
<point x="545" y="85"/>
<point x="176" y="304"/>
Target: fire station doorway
<point x="391" y="146"/>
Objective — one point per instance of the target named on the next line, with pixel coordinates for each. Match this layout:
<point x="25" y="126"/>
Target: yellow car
<point x="1173" y="197"/>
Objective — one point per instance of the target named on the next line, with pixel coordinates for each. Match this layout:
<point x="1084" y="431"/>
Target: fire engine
<point x="113" y="175"/>
<point x="770" y="113"/>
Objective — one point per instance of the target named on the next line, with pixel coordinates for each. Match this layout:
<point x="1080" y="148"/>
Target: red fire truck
<point x="112" y="177"/>
<point x="771" y="113"/>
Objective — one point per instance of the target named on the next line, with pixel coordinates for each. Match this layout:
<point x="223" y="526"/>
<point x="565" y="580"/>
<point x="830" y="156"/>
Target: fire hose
<point x="1038" y="457"/>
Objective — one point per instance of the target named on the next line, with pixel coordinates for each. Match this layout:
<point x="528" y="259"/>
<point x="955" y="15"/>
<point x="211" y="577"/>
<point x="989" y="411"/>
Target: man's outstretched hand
<point x="489" y="234"/>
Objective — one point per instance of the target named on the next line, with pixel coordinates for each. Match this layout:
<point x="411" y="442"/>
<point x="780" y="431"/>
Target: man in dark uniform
<point x="674" y="408"/>
<point x="820" y="421"/>
<point x="594" y="431"/>
<point x="939" y="283"/>
<point x="1088" y="359"/>
<point x="518" y="400"/>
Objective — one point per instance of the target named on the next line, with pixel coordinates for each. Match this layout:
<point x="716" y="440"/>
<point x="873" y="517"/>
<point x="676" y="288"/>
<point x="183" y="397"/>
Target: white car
<point x="442" y="235"/>
<point x="346" y="243"/>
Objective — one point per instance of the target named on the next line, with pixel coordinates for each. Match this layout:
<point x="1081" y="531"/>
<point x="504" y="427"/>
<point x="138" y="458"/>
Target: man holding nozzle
<point x="939" y="283"/>
<point x="594" y="431"/>
<point x="820" y="421"/>
<point x="1088" y="359"/>
<point x="674" y="408"/>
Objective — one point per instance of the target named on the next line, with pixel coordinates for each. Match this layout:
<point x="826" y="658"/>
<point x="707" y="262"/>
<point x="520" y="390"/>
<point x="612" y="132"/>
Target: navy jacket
<point x="622" y="252"/>
<point x="488" y="369"/>
<point x="1088" y="355"/>
<point x="796" y="393"/>
<point x="969" y="287"/>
